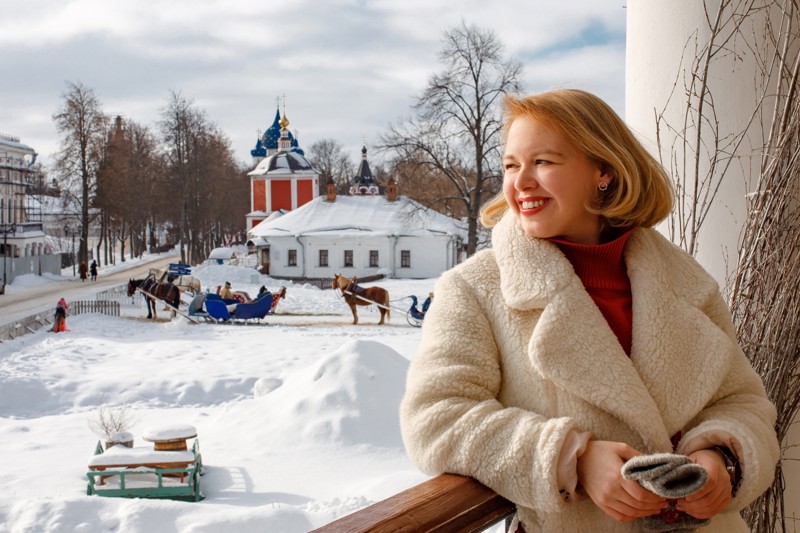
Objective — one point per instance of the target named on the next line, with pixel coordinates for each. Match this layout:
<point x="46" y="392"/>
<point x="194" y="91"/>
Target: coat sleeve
<point x="739" y="416"/>
<point x="451" y="418"/>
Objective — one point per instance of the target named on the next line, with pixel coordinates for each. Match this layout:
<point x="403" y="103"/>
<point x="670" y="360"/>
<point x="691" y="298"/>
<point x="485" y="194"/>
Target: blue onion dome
<point x="259" y="150"/>
<point x="273" y="133"/>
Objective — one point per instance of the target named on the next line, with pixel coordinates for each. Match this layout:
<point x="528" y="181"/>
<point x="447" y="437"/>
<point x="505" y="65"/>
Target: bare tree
<point x="201" y="170"/>
<point x="128" y="186"/>
<point x="455" y="133"/>
<point x="147" y="205"/>
<point x="328" y="157"/>
<point x="765" y="293"/>
<point x="180" y="125"/>
<point x="112" y="186"/>
<point x="82" y="125"/>
<point x="765" y="288"/>
<point x="700" y="154"/>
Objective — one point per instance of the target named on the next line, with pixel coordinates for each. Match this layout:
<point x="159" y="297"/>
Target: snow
<point x="356" y="215"/>
<point x="164" y="433"/>
<point x="297" y="418"/>
<point x="122" y="455"/>
<point x="222" y="253"/>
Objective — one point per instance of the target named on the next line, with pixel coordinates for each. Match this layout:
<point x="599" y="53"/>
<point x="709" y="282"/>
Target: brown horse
<point x="355" y="295"/>
<point x="162" y="290"/>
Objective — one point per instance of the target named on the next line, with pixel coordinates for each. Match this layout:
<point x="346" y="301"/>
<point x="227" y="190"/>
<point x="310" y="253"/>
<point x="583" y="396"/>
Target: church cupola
<point x="364" y="183"/>
<point x="284" y="143"/>
<point x="267" y="143"/>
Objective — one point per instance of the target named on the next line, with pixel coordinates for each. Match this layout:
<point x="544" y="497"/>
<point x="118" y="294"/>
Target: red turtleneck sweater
<point x="601" y="268"/>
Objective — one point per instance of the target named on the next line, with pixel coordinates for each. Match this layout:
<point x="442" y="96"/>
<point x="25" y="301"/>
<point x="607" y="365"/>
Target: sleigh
<point x="414" y="315"/>
<point x="219" y="309"/>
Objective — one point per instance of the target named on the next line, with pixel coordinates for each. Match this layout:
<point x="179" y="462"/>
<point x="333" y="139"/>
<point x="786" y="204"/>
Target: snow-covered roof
<point x="360" y="215"/>
<point x="222" y="253"/>
<point x="8" y="142"/>
<point x="257" y="241"/>
<point x="283" y="163"/>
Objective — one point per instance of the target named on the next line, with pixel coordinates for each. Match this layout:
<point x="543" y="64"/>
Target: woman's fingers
<point x="600" y="477"/>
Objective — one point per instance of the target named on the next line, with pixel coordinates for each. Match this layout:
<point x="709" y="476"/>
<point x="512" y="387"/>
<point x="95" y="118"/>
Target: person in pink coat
<point x="60" y="317"/>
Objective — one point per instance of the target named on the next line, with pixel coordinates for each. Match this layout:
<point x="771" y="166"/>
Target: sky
<point x="297" y="417"/>
<point x="346" y="69"/>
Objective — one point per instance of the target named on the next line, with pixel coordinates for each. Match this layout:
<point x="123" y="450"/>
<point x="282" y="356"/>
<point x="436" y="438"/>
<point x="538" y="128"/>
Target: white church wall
<point x="660" y="46"/>
<point x="430" y="256"/>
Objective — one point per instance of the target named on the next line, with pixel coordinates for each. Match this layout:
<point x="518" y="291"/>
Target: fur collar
<point x="679" y="355"/>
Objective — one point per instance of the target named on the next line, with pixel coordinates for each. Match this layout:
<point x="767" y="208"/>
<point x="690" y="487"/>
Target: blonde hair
<point x="641" y="192"/>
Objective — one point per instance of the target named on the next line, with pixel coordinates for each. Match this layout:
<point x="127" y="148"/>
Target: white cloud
<point x="347" y="67"/>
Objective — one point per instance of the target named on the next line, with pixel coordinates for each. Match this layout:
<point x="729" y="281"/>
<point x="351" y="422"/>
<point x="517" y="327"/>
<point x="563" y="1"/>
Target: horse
<point x="162" y="290"/>
<point x="185" y="283"/>
<point x="355" y="295"/>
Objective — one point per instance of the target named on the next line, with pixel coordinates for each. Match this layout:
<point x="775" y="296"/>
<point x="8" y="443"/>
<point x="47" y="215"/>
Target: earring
<point x="602" y="186"/>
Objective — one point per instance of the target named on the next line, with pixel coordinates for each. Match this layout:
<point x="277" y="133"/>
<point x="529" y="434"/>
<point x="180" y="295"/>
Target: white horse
<point x="186" y="283"/>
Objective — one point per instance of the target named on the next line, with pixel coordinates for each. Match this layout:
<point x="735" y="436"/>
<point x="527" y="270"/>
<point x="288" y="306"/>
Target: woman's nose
<point x="525" y="179"/>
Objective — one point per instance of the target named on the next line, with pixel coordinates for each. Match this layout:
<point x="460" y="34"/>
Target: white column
<point x="661" y="38"/>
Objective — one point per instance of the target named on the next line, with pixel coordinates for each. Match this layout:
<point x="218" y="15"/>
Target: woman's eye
<point x="510" y="166"/>
<point x="541" y="161"/>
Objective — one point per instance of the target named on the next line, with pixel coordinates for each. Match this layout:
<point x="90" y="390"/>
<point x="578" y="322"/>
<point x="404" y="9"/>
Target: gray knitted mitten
<point x="672" y="476"/>
<point x="666" y="474"/>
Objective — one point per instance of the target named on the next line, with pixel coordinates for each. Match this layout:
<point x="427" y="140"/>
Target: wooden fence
<point x="105" y="307"/>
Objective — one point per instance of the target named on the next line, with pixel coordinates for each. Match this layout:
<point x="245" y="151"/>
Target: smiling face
<point x="548" y="183"/>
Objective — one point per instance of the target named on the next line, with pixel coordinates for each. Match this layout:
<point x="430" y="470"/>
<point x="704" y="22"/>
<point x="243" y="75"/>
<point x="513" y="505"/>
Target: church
<point x="282" y="179"/>
<point x="298" y="234"/>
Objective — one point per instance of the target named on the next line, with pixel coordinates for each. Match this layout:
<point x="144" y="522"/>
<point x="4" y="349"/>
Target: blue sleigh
<point x="414" y="315"/>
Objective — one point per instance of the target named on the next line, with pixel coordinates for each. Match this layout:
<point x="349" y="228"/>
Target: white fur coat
<point x="515" y="354"/>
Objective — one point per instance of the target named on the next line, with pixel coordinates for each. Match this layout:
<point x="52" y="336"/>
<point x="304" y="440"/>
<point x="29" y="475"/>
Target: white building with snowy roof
<point x="361" y="236"/>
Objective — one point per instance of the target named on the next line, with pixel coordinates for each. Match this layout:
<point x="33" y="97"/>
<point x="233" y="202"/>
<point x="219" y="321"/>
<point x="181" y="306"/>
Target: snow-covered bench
<point x="168" y="470"/>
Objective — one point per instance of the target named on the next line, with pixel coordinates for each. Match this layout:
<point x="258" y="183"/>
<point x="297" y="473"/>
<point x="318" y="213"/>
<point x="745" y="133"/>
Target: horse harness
<point x="355" y="289"/>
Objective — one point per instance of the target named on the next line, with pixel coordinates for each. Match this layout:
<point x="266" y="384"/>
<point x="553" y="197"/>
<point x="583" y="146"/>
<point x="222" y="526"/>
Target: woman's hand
<point x="599" y="476"/>
<point x="715" y="494"/>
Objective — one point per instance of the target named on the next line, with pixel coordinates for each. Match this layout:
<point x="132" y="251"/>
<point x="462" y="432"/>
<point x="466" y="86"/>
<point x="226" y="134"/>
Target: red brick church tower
<point x="283" y="179"/>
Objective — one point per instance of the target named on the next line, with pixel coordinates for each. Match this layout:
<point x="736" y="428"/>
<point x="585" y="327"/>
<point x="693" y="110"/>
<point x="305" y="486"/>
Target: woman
<point x="584" y="338"/>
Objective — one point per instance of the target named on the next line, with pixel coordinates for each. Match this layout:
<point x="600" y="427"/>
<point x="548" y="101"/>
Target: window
<point x="292" y="258"/>
<point x="405" y="258"/>
<point x="348" y="258"/>
<point x="323" y="258"/>
<point x="373" y="258"/>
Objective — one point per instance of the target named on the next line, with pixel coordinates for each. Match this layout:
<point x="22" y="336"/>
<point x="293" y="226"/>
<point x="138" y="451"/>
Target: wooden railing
<point x="444" y="504"/>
